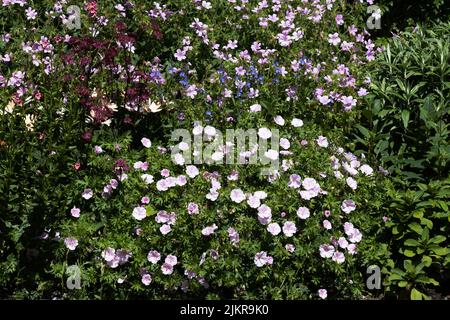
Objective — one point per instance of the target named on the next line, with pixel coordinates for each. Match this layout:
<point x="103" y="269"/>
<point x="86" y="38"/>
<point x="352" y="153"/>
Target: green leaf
<point x="441" y="251"/>
<point x="426" y="260"/>
<point x="416" y="227"/>
<point x="405" y="118"/>
<point x="416" y="294"/>
<point x="427" y="223"/>
<point x="409" y="253"/>
<point x="412" y="243"/>
<point x="438" y="239"/>
<point x="364" y="131"/>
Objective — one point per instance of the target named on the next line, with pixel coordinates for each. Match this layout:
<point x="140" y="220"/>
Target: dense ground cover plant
<point x="154" y="228"/>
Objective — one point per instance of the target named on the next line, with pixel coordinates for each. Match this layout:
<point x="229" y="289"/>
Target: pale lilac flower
<point x="139" y="213"/>
<point x="279" y="120"/>
<point x="192" y="171"/>
<point x="274" y="228"/>
<point x="334" y="38"/>
<point x="290" y="247"/>
<point x="165" y="229"/>
<point x="162" y="185"/>
<point x="183" y="146"/>
<point x="171" y="259"/>
<point x="326" y="251"/>
<point x="167" y="269"/>
<point x="75" y="212"/>
<point x="354" y="235"/>
<point x="191" y="91"/>
<point x="295" y="181"/>
<point x="146" y="142"/>
<point x="253" y="201"/>
<point x="322" y="142"/>
<point x="255" y="108"/>
<point x="348" y="206"/>
<point x="153" y="256"/>
<point x="261" y="259"/>
<point x="190" y="274"/>
<point x="210" y="131"/>
<point x="240" y="71"/>
<point x="87" y="193"/>
<point x="209" y="230"/>
<point x="322" y="293"/>
<point x="362" y="92"/>
<point x="122" y="256"/>
<point x="233" y="176"/>
<point x="264" y="214"/>
<point x="367" y="170"/>
<point x="108" y="254"/>
<point x="297" y="123"/>
<point x="348" y="227"/>
<point x="192" y="208"/>
<point x="352" y="183"/>
<point x="71" y="243"/>
<point x="31" y="13"/>
<point x="98" y="149"/>
<point x="324" y="100"/>
<point x="212" y="195"/>
<point x="347" y="167"/>
<point x="146" y="279"/>
<point x="343" y="243"/>
<point x="260" y="194"/>
<point x="233" y="235"/>
<point x="338" y="257"/>
<point x="310" y="184"/>
<point x="303" y="213"/>
<point x="264" y="133"/>
<point x="284" y="39"/>
<point x="289" y="228"/>
<point x="284" y="143"/>
<point x="339" y="19"/>
<point x="179" y="159"/>
<point x="237" y="195"/>
<point x="349" y="102"/>
<point x="271" y="154"/>
<point x="327" y="224"/>
<point x="180" y="55"/>
<point x="351" y="248"/>
<point x="197" y="130"/>
<point x="147" y="178"/>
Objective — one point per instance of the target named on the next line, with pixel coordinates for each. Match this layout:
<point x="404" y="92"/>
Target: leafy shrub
<point x="420" y="225"/>
<point x="406" y="125"/>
